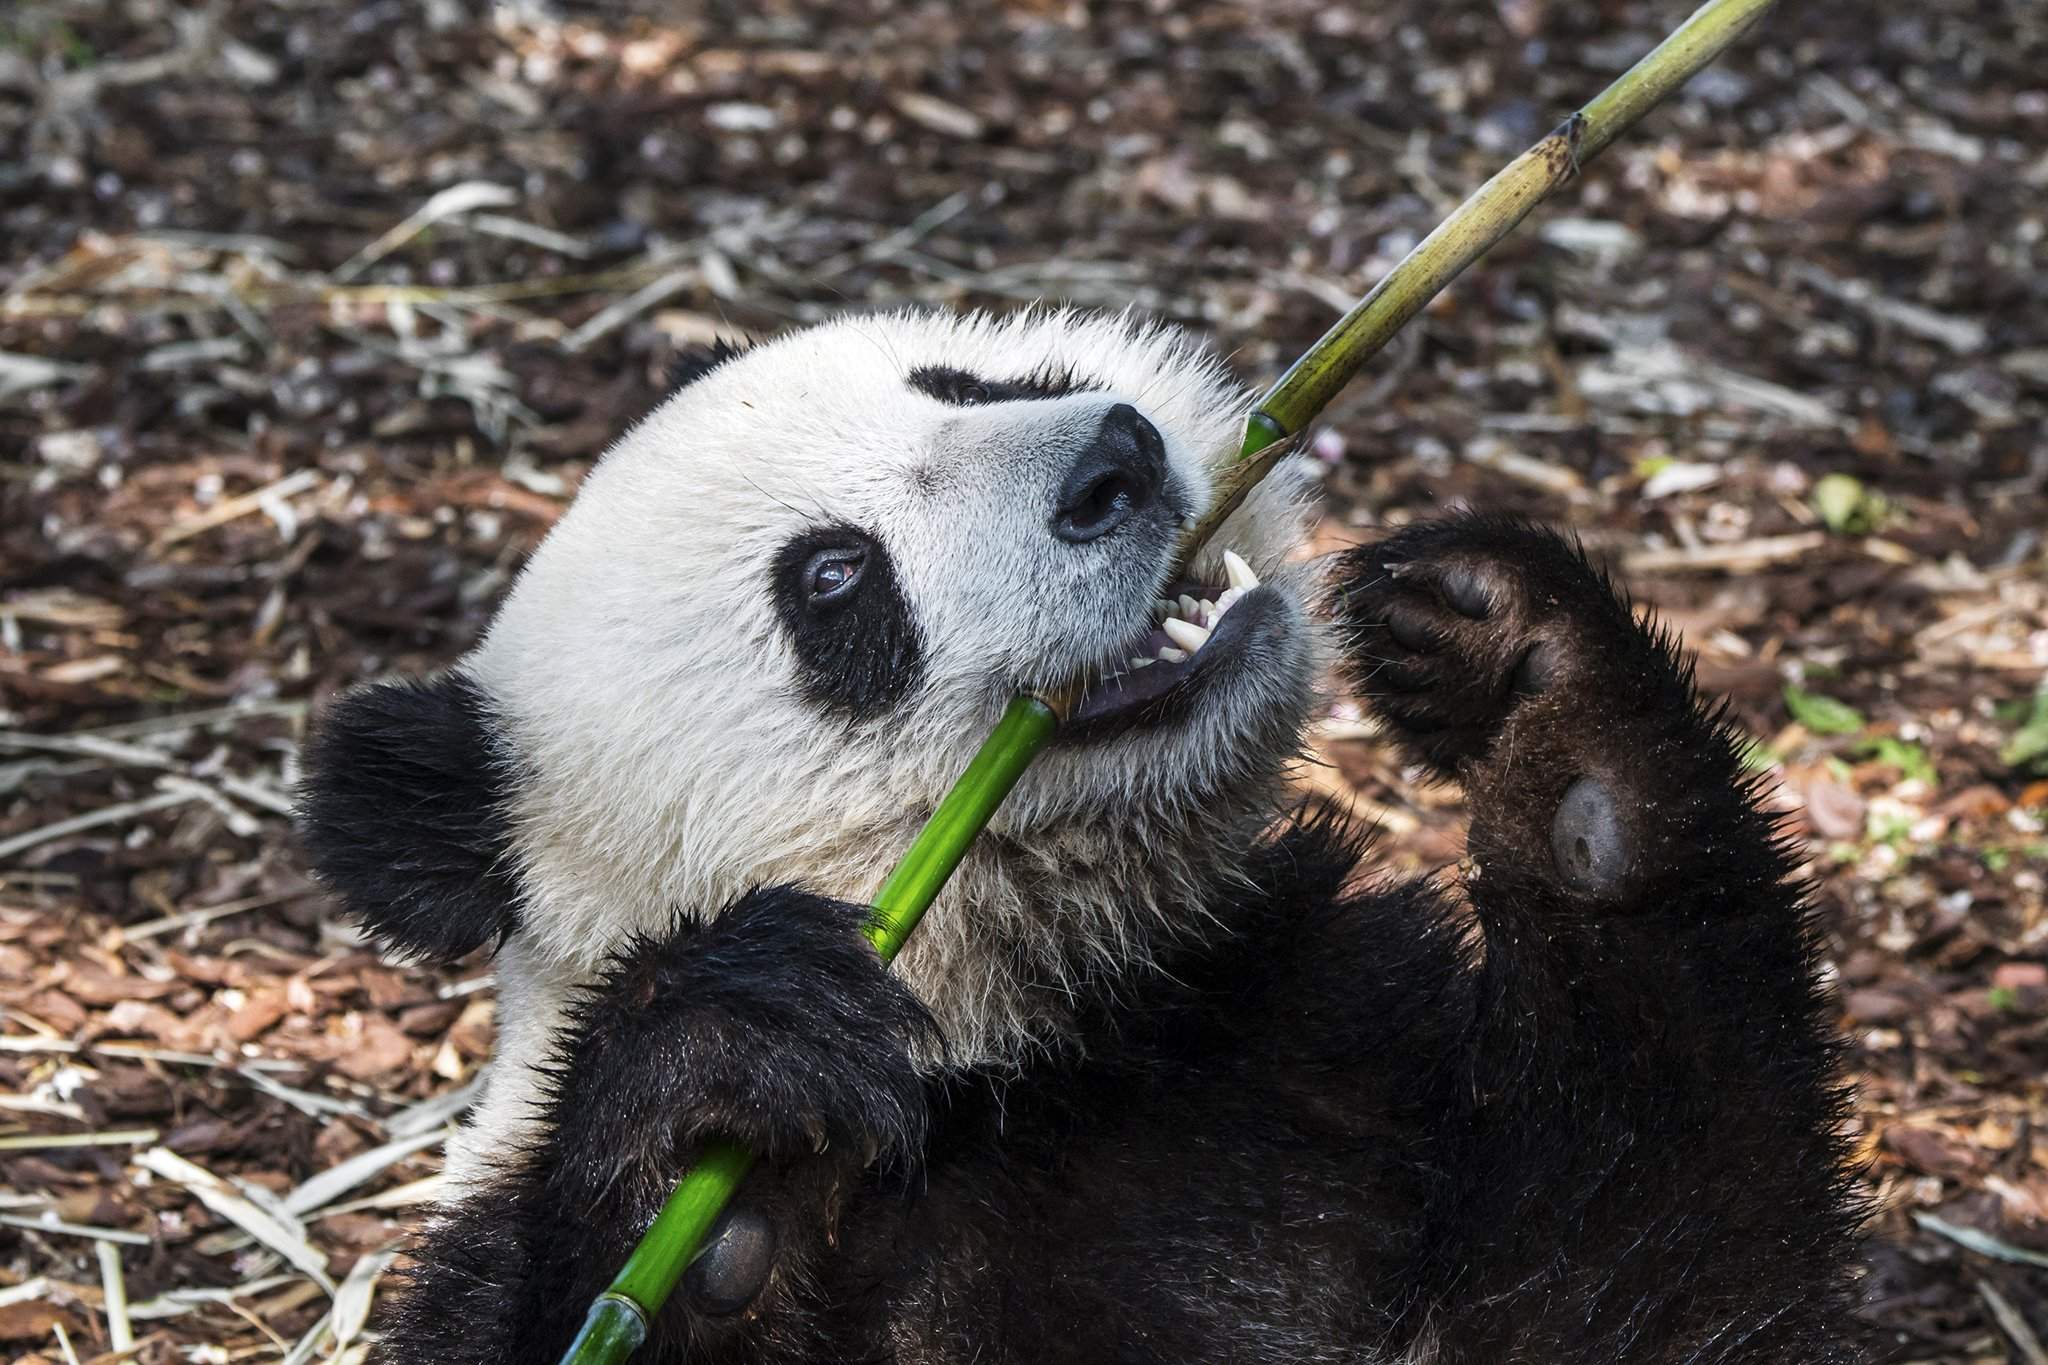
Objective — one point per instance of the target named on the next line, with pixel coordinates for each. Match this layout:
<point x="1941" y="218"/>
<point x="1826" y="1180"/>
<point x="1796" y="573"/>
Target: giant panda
<point x="1169" y="1073"/>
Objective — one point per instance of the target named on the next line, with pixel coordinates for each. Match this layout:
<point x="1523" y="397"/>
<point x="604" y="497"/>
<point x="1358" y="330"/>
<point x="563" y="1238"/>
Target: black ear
<point x="402" y="811"/>
<point x="694" y="362"/>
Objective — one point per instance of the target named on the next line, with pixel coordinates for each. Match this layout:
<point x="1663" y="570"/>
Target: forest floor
<point x="311" y="319"/>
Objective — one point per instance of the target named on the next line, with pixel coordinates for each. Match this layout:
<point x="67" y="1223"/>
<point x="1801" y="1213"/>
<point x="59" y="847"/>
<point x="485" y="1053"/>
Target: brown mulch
<point x="312" y="317"/>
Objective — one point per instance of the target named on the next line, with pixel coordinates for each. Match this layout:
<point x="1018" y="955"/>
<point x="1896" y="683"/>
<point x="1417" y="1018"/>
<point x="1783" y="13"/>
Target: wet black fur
<point x="856" y="656"/>
<point x="402" y="811"/>
<point x="1519" y="1126"/>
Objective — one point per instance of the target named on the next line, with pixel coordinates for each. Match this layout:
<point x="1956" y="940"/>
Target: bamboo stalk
<point x="1489" y="215"/>
<point x="617" y="1323"/>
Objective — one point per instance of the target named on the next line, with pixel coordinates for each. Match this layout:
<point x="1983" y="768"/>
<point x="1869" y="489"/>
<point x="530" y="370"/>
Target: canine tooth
<point x="1187" y="606"/>
<point x="1186" y="634"/>
<point x="1239" y="572"/>
<point x="1168" y="654"/>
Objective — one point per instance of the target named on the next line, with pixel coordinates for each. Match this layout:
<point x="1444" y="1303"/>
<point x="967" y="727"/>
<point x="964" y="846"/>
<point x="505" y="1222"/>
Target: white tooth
<point x="1241" y="575"/>
<point x="1137" y="662"/>
<point x="1186" y="634"/>
<point x="1168" y="654"/>
<point x="1228" y="600"/>
<point x="1187" y="606"/>
<point x="1210" y="611"/>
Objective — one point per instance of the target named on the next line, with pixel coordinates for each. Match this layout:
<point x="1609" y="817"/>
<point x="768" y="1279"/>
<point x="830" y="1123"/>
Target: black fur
<point x="402" y="811"/>
<point x="778" y="1026"/>
<point x="1557" y="1122"/>
<point x="694" y="362"/>
<point x="964" y="390"/>
<point x="861" y="653"/>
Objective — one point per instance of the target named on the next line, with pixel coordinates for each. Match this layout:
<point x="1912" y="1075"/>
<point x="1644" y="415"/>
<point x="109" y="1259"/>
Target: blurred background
<point x="313" y="315"/>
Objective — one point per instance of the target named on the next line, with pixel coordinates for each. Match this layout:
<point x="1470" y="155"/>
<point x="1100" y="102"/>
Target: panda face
<point x="787" y="606"/>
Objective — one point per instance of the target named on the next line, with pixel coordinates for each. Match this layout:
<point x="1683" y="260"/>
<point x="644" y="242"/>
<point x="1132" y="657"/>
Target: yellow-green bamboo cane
<point x="618" y="1318"/>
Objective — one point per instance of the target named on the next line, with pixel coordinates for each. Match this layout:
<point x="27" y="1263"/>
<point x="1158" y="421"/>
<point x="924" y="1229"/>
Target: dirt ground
<point x="312" y="316"/>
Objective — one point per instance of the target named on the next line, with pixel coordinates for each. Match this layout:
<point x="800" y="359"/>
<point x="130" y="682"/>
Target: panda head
<point x="781" y="614"/>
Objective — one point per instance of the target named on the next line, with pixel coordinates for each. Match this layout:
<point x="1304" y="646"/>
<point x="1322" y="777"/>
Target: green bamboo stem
<point x="617" y="1323"/>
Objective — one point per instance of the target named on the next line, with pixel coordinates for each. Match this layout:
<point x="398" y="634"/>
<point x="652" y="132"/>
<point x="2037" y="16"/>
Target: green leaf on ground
<point x="1822" y="715"/>
<point x="1909" y="758"/>
<point x="2028" y="748"/>
<point x="1887" y="827"/>
<point x="1847" y="507"/>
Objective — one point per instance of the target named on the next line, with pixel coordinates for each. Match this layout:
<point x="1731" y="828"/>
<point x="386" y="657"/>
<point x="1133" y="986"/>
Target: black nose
<point x="1118" y="475"/>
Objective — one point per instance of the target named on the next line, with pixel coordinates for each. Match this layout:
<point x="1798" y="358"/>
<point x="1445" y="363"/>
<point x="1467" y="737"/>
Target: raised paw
<point x="1450" y="625"/>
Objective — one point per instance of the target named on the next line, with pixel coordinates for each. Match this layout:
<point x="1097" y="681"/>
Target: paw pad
<point x="1411" y="628"/>
<point x="1591" y="842"/>
<point x="734" y="1265"/>
<point x="1473" y="591"/>
<point x="1539" y="668"/>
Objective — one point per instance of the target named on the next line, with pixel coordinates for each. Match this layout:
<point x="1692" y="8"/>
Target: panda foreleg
<point x="775" y="1025"/>
<point x="1651" y="1154"/>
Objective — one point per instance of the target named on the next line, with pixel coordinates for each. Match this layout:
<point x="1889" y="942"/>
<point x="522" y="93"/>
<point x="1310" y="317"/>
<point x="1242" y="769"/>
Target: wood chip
<point x="114" y="1291"/>
<point x="1983" y="1243"/>
<point x="231" y="509"/>
<point x="1734" y="557"/>
<point x="279" y="1232"/>
<point x="60" y="1229"/>
<point x="34" y="1142"/>
<point x="323" y="1189"/>
<point x="352" y="1301"/>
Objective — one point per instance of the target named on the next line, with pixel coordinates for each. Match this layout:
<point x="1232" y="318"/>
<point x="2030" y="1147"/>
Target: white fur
<point x="641" y="675"/>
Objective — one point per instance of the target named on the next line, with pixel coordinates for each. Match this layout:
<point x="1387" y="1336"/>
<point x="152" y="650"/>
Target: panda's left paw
<point x="1451" y="627"/>
<point x="776" y="1025"/>
<point x="1499" y="655"/>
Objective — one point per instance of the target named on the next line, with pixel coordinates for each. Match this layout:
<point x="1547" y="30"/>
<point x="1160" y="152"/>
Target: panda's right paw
<point x="777" y="1025"/>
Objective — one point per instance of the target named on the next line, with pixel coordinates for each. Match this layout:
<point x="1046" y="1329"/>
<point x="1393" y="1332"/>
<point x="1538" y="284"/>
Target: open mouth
<point x="1194" y="627"/>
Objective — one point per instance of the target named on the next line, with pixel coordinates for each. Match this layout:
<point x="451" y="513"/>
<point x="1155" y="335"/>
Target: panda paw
<point x="1499" y="655"/>
<point x="776" y="1025"/>
<point x="1450" y="626"/>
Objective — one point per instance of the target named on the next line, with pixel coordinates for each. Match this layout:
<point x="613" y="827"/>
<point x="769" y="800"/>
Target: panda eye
<point x="971" y="391"/>
<point x="832" y="575"/>
<point x="853" y="640"/>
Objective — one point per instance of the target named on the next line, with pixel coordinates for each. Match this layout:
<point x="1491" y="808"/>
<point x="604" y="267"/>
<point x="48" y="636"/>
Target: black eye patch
<point x="858" y="650"/>
<point x="964" y="390"/>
